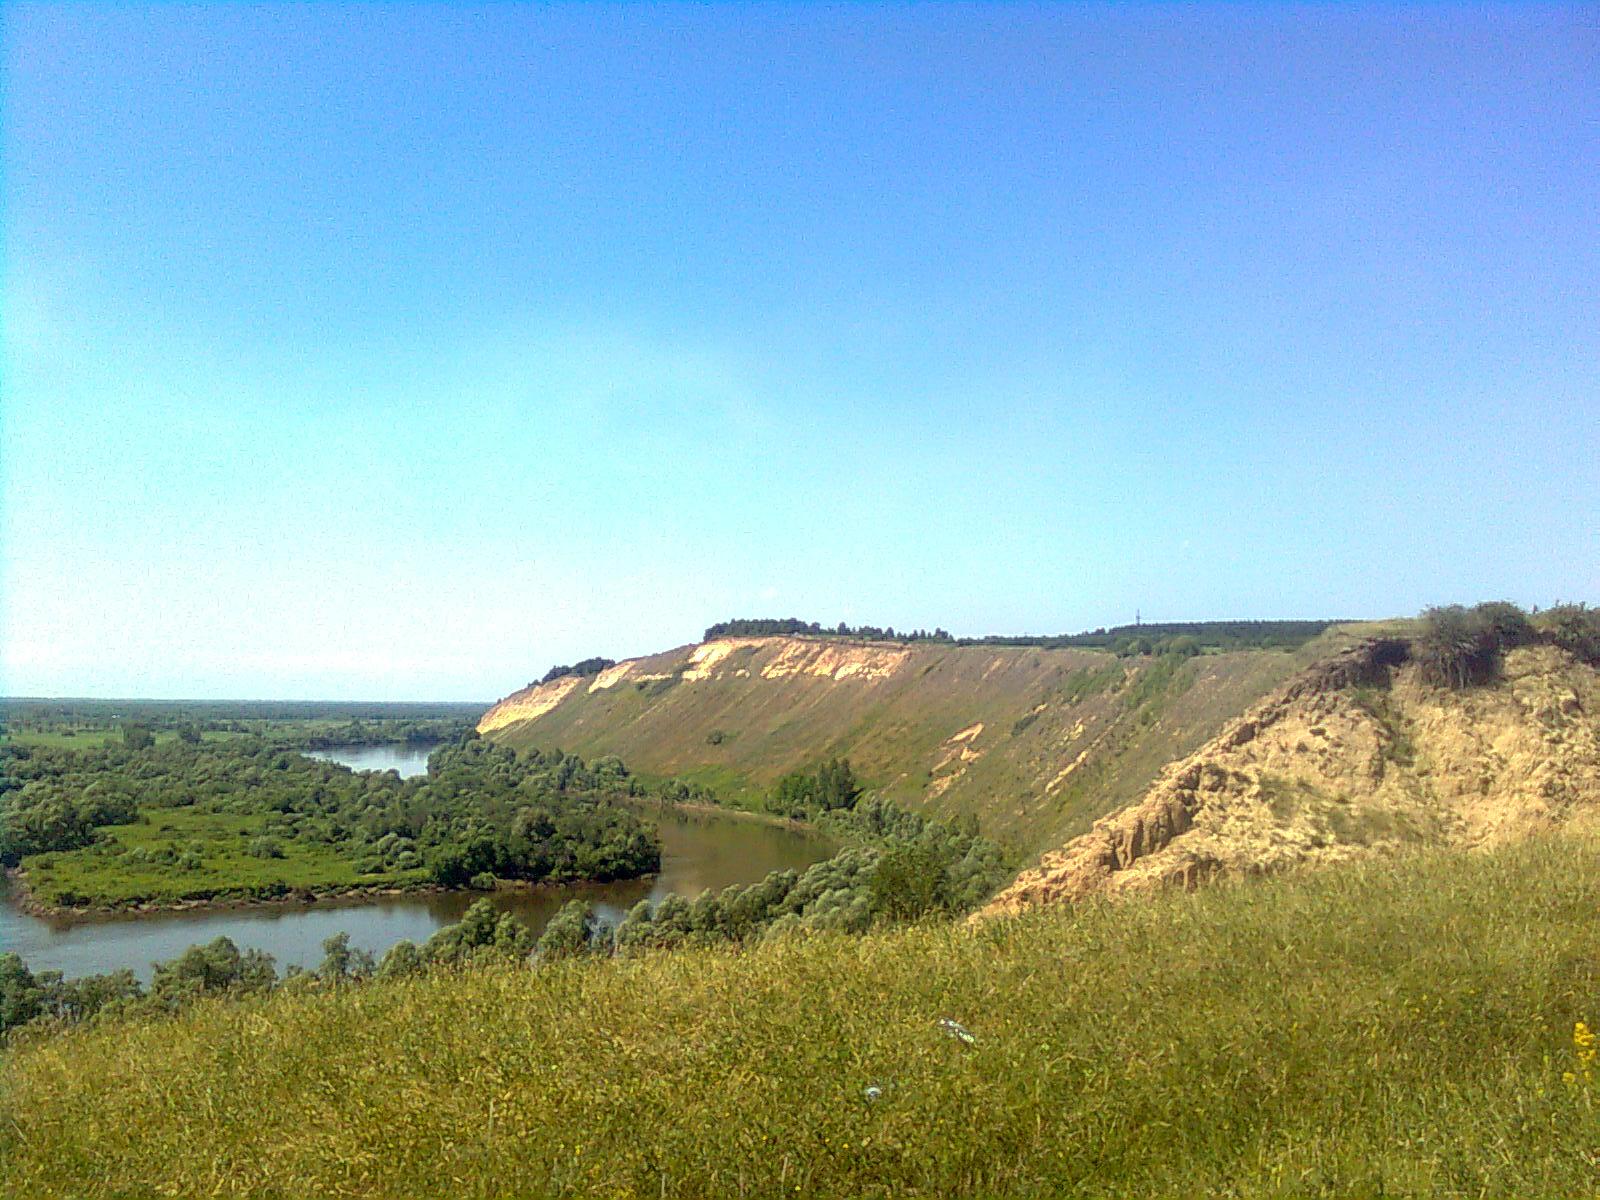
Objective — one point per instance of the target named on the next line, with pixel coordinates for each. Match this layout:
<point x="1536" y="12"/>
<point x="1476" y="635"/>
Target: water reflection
<point x="409" y="759"/>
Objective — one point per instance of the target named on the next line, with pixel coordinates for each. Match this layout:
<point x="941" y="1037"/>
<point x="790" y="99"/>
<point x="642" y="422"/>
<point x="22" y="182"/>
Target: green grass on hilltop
<point x="1395" y="1028"/>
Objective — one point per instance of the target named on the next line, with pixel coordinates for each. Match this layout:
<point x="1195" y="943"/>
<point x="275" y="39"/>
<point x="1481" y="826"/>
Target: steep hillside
<point x="1038" y="742"/>
<point x="1354" y="756"/>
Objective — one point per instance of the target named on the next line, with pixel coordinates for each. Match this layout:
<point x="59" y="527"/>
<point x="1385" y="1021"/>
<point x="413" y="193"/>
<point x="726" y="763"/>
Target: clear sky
<point x="390" y="352"/>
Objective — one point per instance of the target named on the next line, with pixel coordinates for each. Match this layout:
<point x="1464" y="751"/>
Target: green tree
<point x="403" y="959"/>
<point x="341" y="963"/>
<point x="216" y="967"/>
<point x="570" y="931"/>
<point x="907" y="882"/>
<point x="21" y="996"/>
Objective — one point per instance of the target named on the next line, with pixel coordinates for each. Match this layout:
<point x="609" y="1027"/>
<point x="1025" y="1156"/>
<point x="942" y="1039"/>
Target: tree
<point x="404" y="958"/>
<point x="907" y="882"/>
<point x="1575" y="628"/>
<point x="569" y="932"/>
<point x="1507" y="623"/>
<point x="341" y="964"/>
<point x="137" y="737"/>
<point x="21" y="997"/>
<point x="217" y="966"/>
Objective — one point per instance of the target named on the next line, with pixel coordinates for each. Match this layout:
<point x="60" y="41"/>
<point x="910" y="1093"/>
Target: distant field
<point x="1398" y="1028"/>
<point x="87" y="738"/>
<point x="61" y="739"/>
<point x="84" y="724"/>
<point x="103" y="874"/>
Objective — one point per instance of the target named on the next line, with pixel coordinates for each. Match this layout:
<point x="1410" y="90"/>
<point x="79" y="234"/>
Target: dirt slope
<point x="1036" y="742"/>
<point x="1353" y="756"/>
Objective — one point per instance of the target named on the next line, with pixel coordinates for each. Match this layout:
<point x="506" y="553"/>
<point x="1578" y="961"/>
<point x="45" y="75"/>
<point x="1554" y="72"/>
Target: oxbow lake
<point x="698" y="851"/>
<point x="408" y="759"/>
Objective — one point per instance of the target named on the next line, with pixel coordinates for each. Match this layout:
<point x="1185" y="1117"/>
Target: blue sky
<point x="391" y="352"/>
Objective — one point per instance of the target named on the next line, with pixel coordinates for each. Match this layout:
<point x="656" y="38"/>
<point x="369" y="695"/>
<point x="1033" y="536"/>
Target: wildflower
<point x="957" y="1030"/>
<point x="1583" y="1050"/>
<point x="1583" y="1056"/>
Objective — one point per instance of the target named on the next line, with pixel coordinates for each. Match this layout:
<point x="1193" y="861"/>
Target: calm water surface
<point x="697" y="852"/>
<point x="409" y="759"/>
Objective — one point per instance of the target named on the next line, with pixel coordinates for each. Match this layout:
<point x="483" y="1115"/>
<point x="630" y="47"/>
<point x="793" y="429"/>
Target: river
<point x="698" y="851"/>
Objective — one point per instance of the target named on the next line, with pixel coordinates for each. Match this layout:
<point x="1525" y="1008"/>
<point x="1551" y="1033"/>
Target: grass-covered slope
<point x="1037" y="742"/>
<point x="1398" y="1027"/>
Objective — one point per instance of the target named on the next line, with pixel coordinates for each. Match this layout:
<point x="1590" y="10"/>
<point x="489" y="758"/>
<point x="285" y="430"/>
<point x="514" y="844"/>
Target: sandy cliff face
<point x="1352" y="757"/>
<point x="725" y="658"/>
<point x="1036" y="742"/>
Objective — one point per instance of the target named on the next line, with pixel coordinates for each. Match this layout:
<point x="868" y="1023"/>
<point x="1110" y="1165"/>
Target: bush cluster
<point x="1460" y="647"/>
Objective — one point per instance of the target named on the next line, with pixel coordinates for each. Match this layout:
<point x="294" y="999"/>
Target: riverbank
<point x="745" y="814"/>
<point x="698" y="853"/>
<point x="23" y="898"/>
<point x="224" y="899"/>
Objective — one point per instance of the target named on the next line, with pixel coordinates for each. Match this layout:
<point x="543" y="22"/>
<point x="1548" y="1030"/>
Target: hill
<point x="1357" y="755"/>
<point x="1405" y="1026"/>
<point x="1038" y="741"/>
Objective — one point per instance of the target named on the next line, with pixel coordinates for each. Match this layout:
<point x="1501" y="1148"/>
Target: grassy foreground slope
<point x="1037" y="742"/>
<point x="1397" y="1026"/>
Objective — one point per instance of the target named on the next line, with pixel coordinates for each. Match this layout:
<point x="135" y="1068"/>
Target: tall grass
<point x="1385" y="1028"/>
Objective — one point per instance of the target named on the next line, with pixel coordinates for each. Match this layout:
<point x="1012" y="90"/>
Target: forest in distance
<point x="1139" y="638"/>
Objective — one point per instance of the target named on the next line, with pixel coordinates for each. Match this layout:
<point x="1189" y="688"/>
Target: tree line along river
<point x="698" y="851"/>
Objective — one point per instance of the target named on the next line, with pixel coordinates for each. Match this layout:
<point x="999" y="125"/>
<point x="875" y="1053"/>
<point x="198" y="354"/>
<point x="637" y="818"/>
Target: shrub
<point x="1508" y="623"/>
<point x="1575" y="628"/>
<point x="1184" y="646"/>
<point x="905" y="882"/>
<point x="1457" y="648"/>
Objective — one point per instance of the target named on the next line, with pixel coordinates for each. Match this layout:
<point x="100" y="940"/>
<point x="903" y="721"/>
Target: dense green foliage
<point x="88" y="826"/>
<point x="589" y="666"/>
<point x="1457" y="647"/>
<point x="1185" y="637"/>
<point x="1400" y="1028"/>
<point x="802" y="794"/>
<point x="793" y="626"/>
<point x="215" y="969"/>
